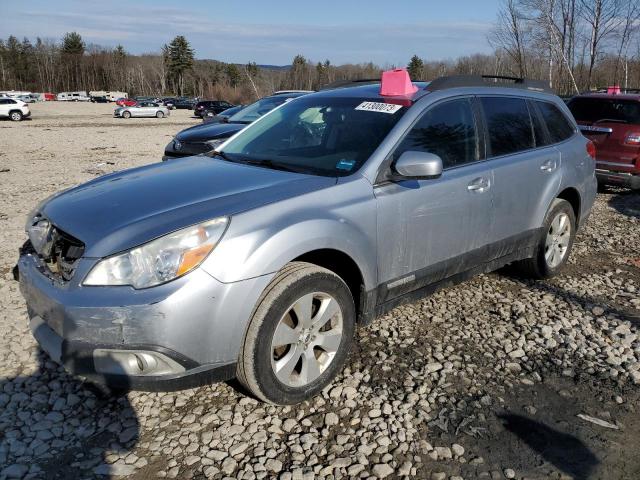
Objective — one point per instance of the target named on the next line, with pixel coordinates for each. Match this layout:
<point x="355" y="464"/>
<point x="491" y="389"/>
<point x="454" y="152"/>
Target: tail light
<point x="632" y="139"/>
<point x="591" y="149"/>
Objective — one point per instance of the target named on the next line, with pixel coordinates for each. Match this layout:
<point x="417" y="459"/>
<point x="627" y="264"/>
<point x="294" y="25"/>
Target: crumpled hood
<point x="124" y="209"/>
<point x="209" y="131"/>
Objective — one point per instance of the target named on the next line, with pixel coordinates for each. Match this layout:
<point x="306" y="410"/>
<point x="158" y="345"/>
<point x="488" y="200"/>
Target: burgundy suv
<point x="612" y="121"/>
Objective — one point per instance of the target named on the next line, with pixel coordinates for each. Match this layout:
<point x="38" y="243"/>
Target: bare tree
<point x="509" y="35"/>
<point x="602" y="18"/>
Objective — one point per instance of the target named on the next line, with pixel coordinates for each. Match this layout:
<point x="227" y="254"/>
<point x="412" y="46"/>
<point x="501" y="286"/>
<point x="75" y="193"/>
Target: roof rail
<point x="606" y="89"/>
<point x="455" y="81"/>
<point x="349" y="83"/>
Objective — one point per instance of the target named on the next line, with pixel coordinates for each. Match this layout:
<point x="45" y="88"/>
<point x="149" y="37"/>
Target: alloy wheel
<point x="306" y="339"/>
<point x="558" y="239"/>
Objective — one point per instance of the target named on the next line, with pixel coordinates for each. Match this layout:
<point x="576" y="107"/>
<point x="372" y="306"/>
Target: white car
<point x="142" y="109"/>
<point x="13" y="108"/>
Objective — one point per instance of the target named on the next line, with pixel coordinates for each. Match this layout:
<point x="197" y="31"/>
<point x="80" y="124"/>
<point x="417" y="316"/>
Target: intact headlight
<point x="160" y="260"/>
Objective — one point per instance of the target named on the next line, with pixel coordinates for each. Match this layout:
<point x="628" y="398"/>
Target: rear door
<point x="613" y="125"/>
<point x="526" y="167"/>
<point x="432" y="229"/>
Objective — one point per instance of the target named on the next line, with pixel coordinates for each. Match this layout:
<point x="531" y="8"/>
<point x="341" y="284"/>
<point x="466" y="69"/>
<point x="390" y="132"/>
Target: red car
<point x="611" y="119"/>
<point x="126" y="102"/>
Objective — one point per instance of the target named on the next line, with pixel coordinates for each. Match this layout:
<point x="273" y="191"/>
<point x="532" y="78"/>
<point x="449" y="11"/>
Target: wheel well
<point x="342" y="265"/>
<point x="572" y="196"/>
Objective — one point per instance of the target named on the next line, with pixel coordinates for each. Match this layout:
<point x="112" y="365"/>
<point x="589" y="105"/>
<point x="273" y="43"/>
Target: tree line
<point x="574" y="44"/>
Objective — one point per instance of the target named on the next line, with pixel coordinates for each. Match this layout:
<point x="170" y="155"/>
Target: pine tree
<point x="72" y="44"/>
<point x="415" y="67"/>
<point x="180" y="61"/>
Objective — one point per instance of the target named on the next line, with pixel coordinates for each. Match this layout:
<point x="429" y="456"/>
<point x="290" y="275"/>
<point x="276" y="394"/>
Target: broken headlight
<point x="160" y="260"/>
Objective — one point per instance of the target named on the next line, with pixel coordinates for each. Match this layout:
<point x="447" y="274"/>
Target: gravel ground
<point x="482" y="380"/>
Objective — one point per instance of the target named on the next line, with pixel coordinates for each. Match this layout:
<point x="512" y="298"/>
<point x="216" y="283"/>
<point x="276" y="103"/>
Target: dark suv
<point x="612" y="122"/>
<point x="213" y="106"/>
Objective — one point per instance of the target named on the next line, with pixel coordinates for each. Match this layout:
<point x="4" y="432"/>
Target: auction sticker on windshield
<point x="379" y="107"/>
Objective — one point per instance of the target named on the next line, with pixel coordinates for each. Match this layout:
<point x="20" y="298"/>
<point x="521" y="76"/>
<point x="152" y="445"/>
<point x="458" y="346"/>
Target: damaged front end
<point x="57" y="251"/>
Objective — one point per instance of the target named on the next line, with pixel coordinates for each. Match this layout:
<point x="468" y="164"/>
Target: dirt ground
<point x="513" y="414"/>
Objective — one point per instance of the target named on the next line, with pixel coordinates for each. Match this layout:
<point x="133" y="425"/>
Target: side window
<point x="559" y="127"/>
<point x="448" y="130"/>
<point x="508" y="124"/>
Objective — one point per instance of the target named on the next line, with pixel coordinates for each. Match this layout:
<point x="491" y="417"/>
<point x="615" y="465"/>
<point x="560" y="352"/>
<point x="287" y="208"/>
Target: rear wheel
<point x="299" y="336"/>
<point x="126" y="114"/>
<point x="16" y="115"/>
<point x="554" y="246"/>
<point x="159" y="114"/>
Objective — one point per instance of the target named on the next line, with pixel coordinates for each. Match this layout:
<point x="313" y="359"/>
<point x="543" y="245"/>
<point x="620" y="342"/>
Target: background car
<point x="13" y="109"/>
<point x="168" y="102"/>
<point x="222" y="117"/>
<point x="27" y="98"/>
<point x="612" y="122"/>
<point x="126" y="102"/>
<point x="204" y="138"/>
<point x="185" y="103"/>
<point x="142" y="109"/>
<point x="99" y="99"/>
<point x="214" y="106"/>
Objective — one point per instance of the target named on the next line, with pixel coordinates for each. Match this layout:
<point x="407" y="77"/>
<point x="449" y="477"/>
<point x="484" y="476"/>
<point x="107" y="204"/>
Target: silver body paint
<point x="395" y="232"/>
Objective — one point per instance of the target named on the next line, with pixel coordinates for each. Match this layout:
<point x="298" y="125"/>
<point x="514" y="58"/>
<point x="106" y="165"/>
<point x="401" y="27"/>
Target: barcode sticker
<point x="389" y="108"/>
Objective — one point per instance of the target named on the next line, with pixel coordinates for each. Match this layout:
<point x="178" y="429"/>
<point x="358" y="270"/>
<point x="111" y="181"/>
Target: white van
<point x="79" y="96"/>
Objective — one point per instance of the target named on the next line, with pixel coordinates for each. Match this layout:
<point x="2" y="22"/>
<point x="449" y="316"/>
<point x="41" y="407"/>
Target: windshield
<point x="325" y="136"/>
<point x="603" y="109"/>
<point x="256" y="110"/>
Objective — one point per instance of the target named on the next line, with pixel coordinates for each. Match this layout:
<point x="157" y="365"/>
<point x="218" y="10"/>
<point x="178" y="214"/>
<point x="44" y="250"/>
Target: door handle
<point x="549" y="166"/>
<point x="479" y="185"/>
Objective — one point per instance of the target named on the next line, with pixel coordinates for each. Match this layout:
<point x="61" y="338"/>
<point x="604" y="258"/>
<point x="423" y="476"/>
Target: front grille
<point x="193" y="148"/>
<point x="62" y="258"/>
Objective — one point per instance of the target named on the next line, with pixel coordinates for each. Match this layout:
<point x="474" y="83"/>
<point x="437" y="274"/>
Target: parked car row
<point x="205" y="137"/>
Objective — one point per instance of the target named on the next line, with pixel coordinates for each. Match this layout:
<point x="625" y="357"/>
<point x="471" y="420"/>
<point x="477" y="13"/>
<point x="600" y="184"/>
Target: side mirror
<point x="413" y="164"/>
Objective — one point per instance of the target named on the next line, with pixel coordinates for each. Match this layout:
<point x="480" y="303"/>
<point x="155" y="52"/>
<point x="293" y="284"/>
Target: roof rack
<point x="606" y="89"/>
<point x="455" y="81"/>
<point x="349" y="83"/>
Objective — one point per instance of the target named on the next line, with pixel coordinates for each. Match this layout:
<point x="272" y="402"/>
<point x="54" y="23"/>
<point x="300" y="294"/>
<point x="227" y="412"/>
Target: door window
<point x="447" y="130"/>
<point x="508" y="124"/>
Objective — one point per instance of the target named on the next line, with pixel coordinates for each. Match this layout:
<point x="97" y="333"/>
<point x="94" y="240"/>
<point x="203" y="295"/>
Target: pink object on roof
<point x="397" y="82"/>
<point x="615" y="90"/>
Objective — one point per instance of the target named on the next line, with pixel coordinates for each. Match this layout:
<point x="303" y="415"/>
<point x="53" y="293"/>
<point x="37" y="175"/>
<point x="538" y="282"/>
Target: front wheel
<point x="126" y="114"/>
<point x="159" y="114"/>
<point x="555" y="243"/>
<point x="299" y="336"/>
<point x="16" y="116"/>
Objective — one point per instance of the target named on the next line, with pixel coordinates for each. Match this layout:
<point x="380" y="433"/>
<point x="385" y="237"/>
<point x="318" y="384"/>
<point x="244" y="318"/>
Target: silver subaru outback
<point x="259" y="260"/>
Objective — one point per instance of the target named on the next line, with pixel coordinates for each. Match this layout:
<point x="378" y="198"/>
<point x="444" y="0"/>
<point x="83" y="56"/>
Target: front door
<point x="432" y="229"/>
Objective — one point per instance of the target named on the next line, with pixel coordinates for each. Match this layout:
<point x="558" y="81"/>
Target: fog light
<point x="134" y="362"/>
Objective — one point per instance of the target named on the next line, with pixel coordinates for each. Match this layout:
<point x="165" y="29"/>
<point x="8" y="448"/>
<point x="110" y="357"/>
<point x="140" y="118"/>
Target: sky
<point x="267" y="32"/>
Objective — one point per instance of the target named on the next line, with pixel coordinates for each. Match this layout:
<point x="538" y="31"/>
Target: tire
<point x="16" y="115"/>
<point x="126" y="114"/>
<point x="159" y="114"/>
<point x="260" y="357"/>
<point x="552" y="251"/>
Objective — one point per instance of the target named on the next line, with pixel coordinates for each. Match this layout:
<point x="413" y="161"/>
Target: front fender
<point x="262" y="241"/>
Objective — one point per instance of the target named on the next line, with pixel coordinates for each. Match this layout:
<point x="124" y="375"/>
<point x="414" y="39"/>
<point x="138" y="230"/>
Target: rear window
<point x="508" y="124"/>
<point x="557" y="124"/>
<point x="594" y="110"/>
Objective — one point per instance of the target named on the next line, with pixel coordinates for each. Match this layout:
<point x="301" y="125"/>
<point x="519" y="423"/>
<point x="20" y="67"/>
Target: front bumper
<point x="621" y="179"/>
<point x="189" y="330"/>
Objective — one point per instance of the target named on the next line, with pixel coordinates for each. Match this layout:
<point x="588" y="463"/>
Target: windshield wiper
<point x="265" y="162"/>
<point x="221" y="154"/>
